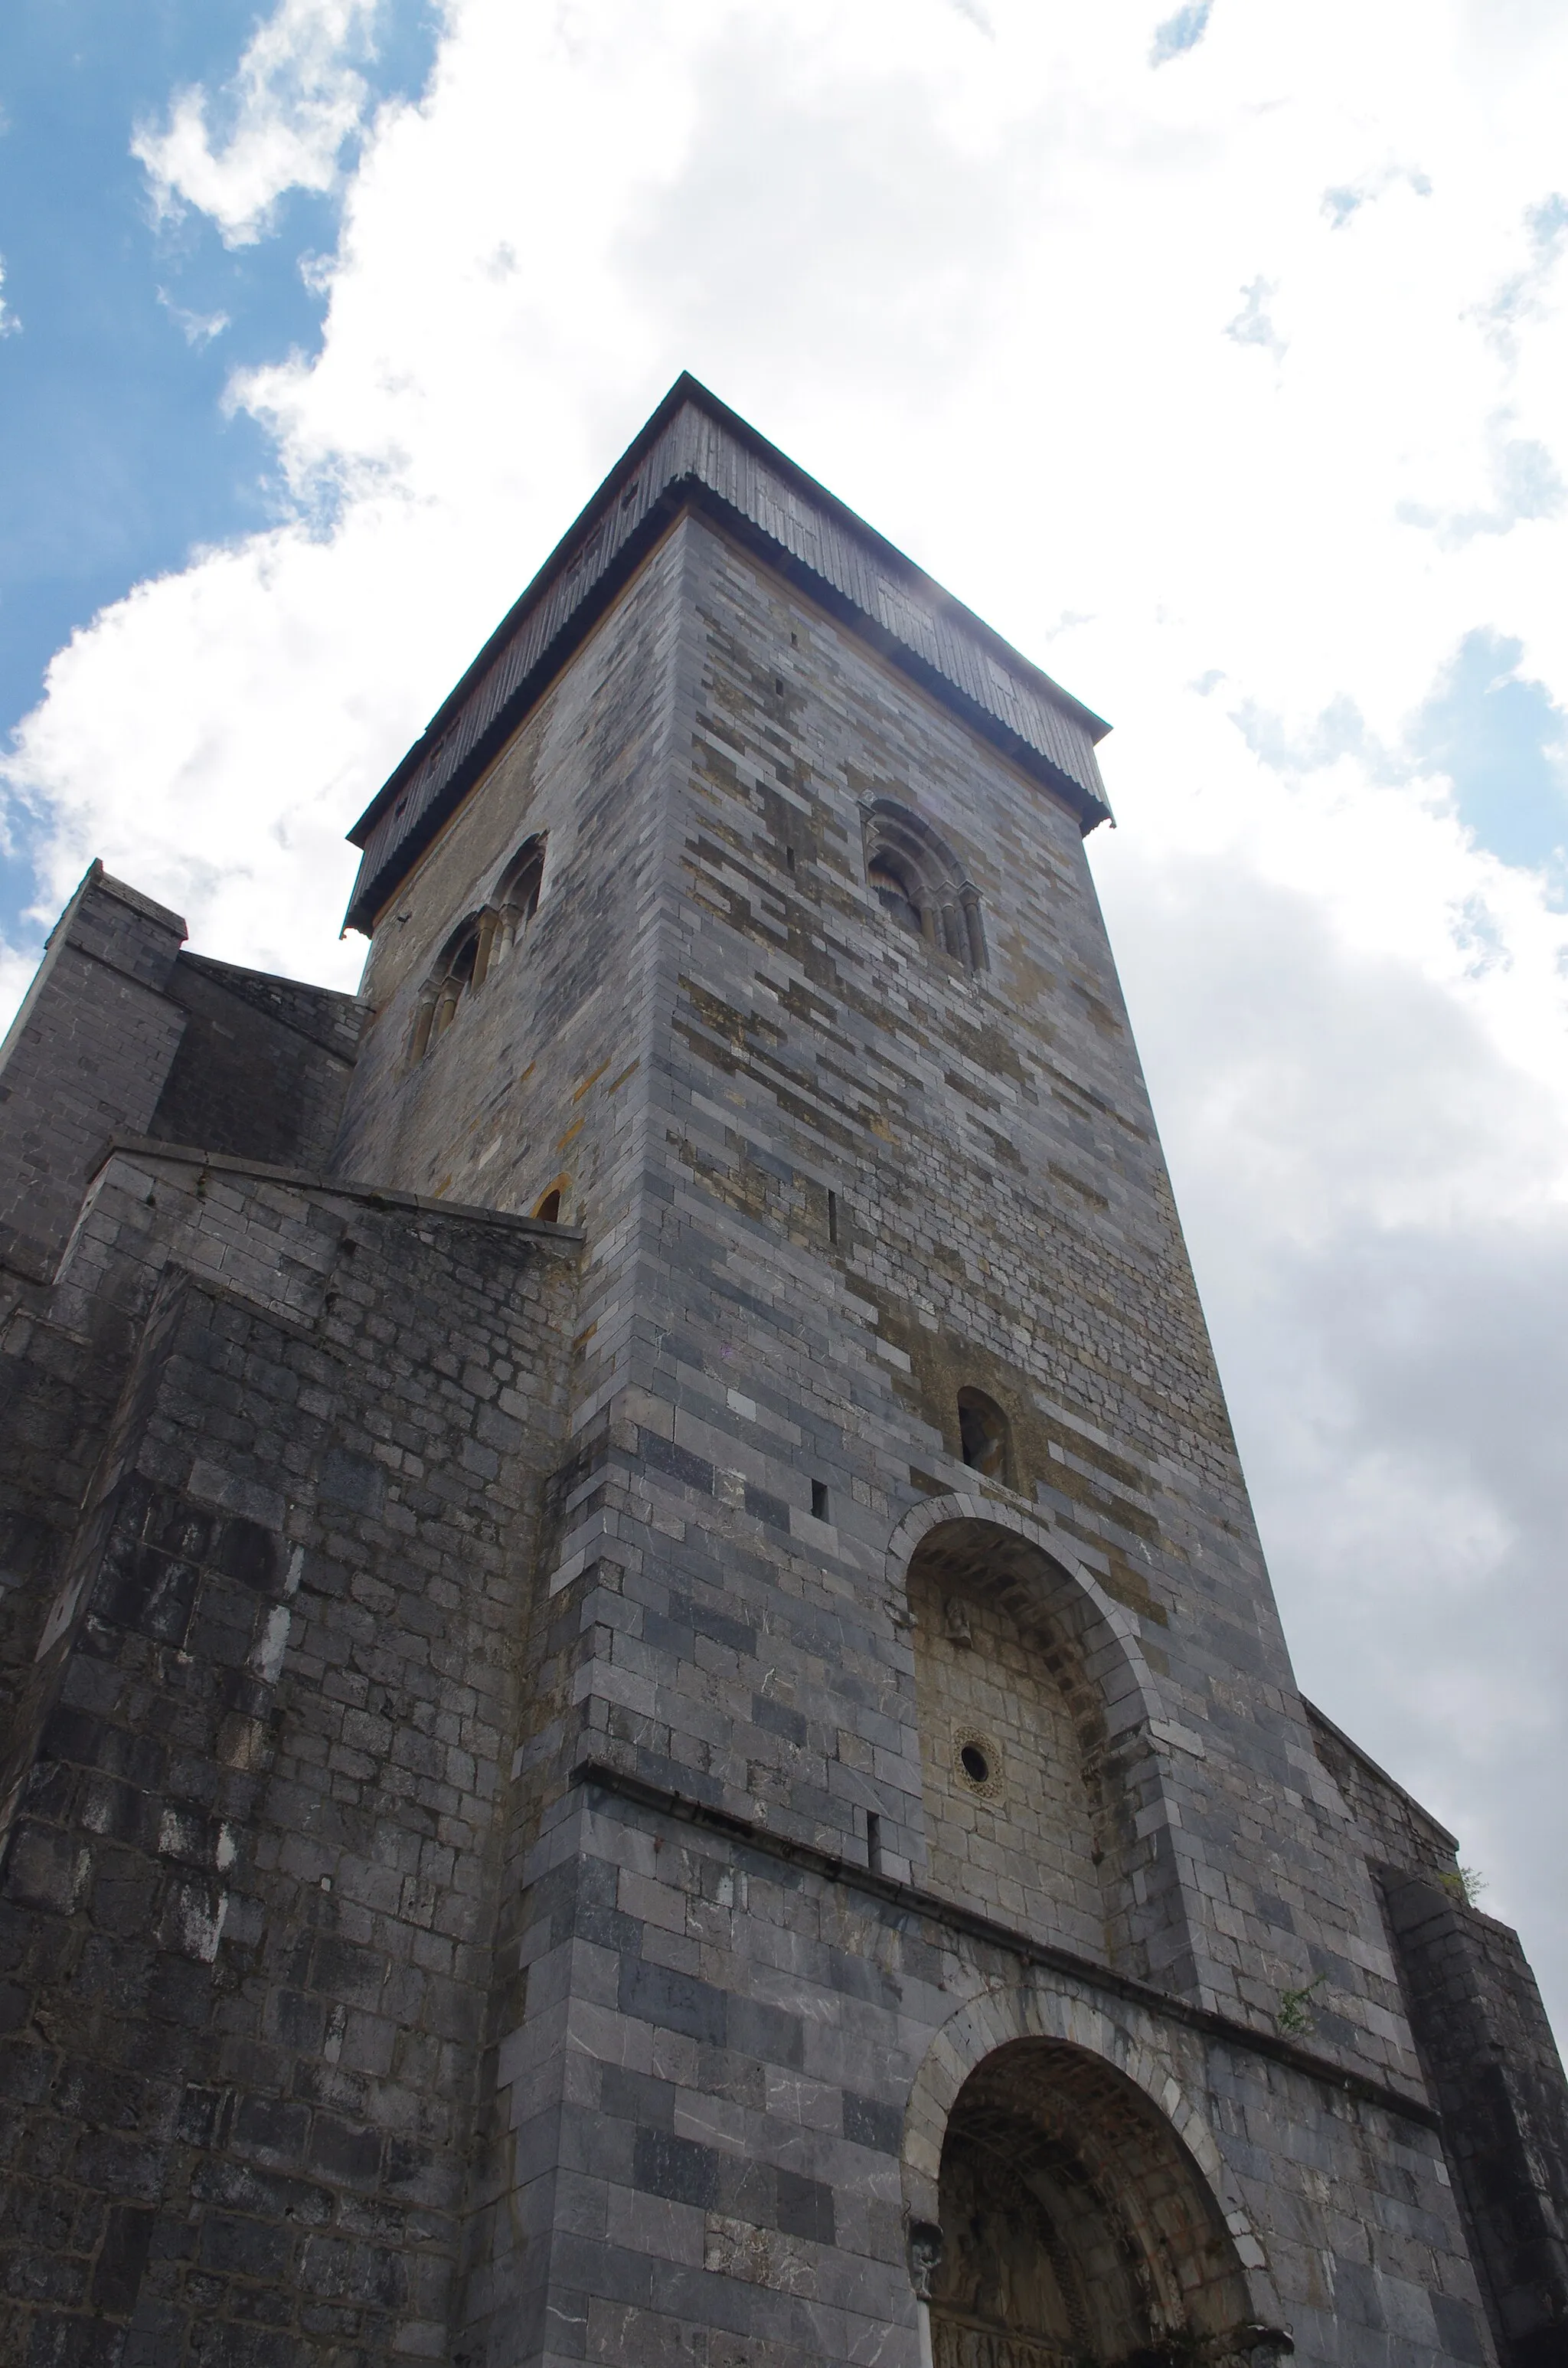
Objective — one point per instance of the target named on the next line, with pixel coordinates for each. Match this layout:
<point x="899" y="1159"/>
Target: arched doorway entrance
<point x="1075" y="2229"/>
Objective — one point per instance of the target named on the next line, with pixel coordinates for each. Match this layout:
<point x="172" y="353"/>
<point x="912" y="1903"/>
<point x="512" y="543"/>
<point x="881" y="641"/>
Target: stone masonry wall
<point x="121" y="1032"/>
<point x="828" y="1174"/>
<point x="1489" y="2053"/>
<point x="997" y="1193"/>
<point x="724" y="2081"/>
<point x="1394" y="1829"/>
<point x="87" y="1055"/>
<point x="263" y="1065"/>
<point x="249" y="1907"/>
<point x="1021" y="1837"/>
<point x="533" y="1083"/>
<point x="1498" y="2078"/>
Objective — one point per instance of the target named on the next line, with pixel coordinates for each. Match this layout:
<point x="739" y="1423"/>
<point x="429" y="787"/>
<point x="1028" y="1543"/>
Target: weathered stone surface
<point x="495" y="1874"/>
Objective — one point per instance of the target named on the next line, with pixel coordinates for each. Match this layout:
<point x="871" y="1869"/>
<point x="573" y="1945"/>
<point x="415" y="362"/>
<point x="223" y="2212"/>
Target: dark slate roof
<point x="695" y="453"/>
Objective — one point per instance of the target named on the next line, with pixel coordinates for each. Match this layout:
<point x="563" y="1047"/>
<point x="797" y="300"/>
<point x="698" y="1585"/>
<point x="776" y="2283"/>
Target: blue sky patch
<point x="1180" y="33"/>
<point x="1502" y="741"/>
<point x="120" y="455"/>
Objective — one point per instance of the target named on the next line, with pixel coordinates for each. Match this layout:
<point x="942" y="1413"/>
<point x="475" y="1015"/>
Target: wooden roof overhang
<point x="695" y="453"/>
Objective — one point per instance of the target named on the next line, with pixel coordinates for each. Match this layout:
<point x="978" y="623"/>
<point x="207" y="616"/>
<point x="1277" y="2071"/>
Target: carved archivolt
<point x="1067" y="2202"/>
<point x="920" y="883"/>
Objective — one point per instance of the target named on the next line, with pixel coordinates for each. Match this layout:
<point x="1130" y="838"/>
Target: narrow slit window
<point x="983" y="1435"/>
<point x="517" y="896"/>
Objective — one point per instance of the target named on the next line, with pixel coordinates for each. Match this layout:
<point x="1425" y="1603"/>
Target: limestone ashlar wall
<point x="247" y="1915"/>
<point x="1498" y="2078"/>
<point x="1489" y="2053"/>
<point x="1021" y="1837"/>
<point x="828" y="1174"/>
<point x="263" y="1065"/>
<point x="87" y="1055"/>
<point x="719" y="2087"/>
<point x="121" y="1032"/>
<point x="539" y="1076"/>
<point x="999" y="1212"/>
<point x="1395" y="1830"/>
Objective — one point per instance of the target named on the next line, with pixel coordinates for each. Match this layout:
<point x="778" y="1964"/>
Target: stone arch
<point x="1039" y="2125"/>
<point x="519" y="890"/>
<point x="483" y="939"/>
<point x="918" y="878"/>
<point x="458" y="970"/>
<point x="1021" y="1656"/>
<point x="985" y="1435"/>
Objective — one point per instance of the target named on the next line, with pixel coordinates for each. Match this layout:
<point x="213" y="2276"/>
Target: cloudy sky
<point x="1217" y="356"/>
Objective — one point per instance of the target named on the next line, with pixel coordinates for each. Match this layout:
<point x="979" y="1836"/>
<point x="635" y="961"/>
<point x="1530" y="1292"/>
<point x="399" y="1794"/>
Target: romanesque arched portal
<point x="1074" y="2226"/>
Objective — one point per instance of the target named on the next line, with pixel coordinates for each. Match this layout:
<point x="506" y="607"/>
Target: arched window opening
<point x="465" y="961"/>
<point x="920" y="883"/>
<point x="894" y="894"/>
<point x="473" y="949"/>
<point x="549" y="1209"/>
<point x="516" y="898"/>
<point x="983" y="1434"/>
<point x="1075" y="2226"/>
<point x="1013" y="1658"/>
<point x="459" y="969"/>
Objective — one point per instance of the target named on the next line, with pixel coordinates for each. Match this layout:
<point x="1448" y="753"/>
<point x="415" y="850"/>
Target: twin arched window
<point x="920" y="883"/>
<point x="477" y="944"/>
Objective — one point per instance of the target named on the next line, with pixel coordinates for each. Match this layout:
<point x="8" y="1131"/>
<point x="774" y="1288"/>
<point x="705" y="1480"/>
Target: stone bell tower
<point x="779" y="1777"/>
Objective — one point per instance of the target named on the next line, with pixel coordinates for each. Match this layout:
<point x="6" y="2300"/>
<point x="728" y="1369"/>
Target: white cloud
<point x="197" y="329"/>
<point x="1253" y="324"/>
<point x="295" y="101"/>
<point x="983" y="287"/>
<point x="9" y="324"/>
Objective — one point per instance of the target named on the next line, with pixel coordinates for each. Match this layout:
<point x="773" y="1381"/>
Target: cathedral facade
<point x="644" y="1720"/>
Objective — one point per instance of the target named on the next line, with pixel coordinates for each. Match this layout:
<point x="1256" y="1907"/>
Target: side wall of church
<point x="87" y="1055"/>
<point x="121" y="1032"/>
<point x="262" y="1068"/>
<point x="248" y="1914"/>
<point x="1489" y="2052"/>
<point x="1479" y="2022"/>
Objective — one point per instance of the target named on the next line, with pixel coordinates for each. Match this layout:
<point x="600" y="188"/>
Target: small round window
<point x="977" y="1763"/>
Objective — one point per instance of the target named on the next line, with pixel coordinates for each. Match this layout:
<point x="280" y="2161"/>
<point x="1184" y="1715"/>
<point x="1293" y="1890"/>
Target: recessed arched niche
<point x="1012" y="1739"/>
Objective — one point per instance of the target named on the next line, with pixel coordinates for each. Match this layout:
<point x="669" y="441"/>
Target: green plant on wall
<point x="1464" y="1884"/>
<point x="1295" y="2015"/>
